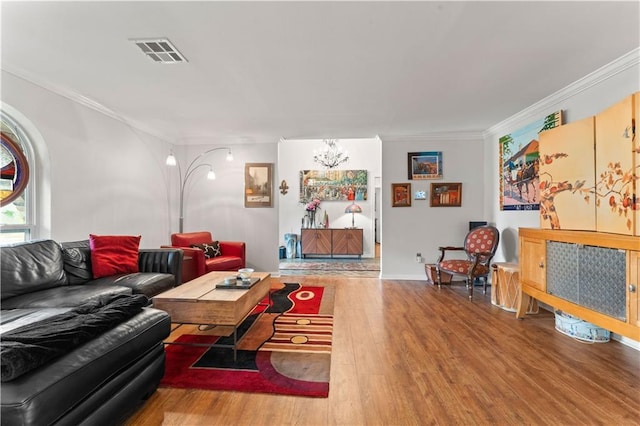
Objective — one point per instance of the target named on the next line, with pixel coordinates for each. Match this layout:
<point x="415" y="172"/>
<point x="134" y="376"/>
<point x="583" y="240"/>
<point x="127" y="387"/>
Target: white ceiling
<point x="261" y="71"/>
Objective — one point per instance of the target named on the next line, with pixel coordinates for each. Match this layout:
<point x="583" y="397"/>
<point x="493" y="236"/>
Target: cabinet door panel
<point x="355" y="241"/>
<point x="308" y="243"/>
<point x="633" y="282"/>
<point x="323" y="241"/>
<point x="347" y="241"/>
<point x="340" y="242"/>
<point x="532" y="263"/>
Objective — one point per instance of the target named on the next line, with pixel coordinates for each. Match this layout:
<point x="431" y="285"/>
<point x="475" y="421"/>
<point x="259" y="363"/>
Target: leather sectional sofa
<point x="46" y="286"/>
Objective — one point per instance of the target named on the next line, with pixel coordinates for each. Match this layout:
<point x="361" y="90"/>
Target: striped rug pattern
<point x="301" y="333"/>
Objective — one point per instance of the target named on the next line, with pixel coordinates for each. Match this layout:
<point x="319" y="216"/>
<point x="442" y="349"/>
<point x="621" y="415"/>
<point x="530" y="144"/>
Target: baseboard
<point x="634" y="344"/>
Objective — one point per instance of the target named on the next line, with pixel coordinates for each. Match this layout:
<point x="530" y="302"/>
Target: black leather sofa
<point x="104" y="379"/>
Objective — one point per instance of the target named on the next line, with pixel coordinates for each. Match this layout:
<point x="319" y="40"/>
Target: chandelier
<point x="331" y="155"/>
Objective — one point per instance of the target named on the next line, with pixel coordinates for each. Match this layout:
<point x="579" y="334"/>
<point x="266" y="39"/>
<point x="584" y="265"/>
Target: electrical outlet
<point x="419" y="257"/>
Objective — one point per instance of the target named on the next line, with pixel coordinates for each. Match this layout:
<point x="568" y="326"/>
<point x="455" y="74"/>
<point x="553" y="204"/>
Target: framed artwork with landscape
<point x="424" y="165"/>
<point x="446" y="194"/>
<point x="401" y="195"/>
<point x="333" y="185"/>
<point x="258" y="185"/>
<point x="520" y="164"/>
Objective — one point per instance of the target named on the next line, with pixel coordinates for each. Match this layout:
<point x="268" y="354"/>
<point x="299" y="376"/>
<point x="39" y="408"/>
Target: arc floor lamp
<point x="172" y="161"/>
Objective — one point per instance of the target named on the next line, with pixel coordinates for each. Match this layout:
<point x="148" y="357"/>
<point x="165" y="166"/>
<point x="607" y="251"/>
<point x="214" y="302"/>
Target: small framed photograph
<point x="258" y="185"/>
<point x="424" y="165"/>
<point x="446" y="194"/>
<point x="400" y="195"/>
<point x="420" y="195"/>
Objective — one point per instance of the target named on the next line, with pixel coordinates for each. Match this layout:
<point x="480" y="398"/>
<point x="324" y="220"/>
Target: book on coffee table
<point x="239" y="284"/>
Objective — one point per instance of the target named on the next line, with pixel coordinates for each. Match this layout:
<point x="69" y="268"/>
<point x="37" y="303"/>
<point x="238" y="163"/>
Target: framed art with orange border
<point x="400" y="195"/>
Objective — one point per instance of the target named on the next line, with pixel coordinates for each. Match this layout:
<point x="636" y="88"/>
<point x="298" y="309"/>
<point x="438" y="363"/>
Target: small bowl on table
<point x="245" y="273"/>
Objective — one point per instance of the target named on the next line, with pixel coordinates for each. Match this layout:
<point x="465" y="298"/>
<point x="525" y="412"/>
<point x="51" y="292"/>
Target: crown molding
<point x="82" y="100"/>
<point x="435" y="136"/>
<point x="556" y="99"/>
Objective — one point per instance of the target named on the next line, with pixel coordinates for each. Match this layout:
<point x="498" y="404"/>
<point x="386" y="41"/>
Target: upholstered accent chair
<point x="231" y="255"/>
<point x="480" y="246"/>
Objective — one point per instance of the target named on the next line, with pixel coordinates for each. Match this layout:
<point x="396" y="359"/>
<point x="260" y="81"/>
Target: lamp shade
<point x="353" y="208"/>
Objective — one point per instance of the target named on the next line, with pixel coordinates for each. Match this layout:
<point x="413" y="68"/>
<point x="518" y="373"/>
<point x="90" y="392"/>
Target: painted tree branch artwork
<point x="614" y="187"/>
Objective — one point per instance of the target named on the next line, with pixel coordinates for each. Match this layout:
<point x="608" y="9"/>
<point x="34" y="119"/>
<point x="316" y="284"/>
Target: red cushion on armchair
<point x="189" y="238"/>
<point x="195" y="264"/>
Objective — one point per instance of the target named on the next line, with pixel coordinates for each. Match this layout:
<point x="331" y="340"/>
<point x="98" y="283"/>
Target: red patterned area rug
<point x="283" y="349"/>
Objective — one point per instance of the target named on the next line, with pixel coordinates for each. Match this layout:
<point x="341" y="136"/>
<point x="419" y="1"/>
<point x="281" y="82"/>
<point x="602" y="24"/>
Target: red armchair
<point x="195" y="264"/>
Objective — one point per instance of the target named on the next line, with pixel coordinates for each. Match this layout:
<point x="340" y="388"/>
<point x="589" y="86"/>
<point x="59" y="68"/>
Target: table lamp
<point x="353" y="208"/>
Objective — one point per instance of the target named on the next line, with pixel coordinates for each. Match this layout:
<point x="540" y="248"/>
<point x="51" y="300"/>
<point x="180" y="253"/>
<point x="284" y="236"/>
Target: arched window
<point x="16" y="183"/>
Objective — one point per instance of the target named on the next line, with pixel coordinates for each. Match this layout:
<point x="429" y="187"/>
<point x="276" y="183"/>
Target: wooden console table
<point x="331" y="241"/>
<point x="591" y="275"/>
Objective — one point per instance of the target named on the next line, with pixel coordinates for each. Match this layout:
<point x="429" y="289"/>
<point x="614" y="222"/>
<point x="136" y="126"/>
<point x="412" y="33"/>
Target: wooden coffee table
<point x="200" y="302"/>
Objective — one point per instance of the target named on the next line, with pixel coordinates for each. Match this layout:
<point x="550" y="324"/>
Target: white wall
<point x="218" y="206"/>
<point x="421" y="228"/>
<point x="583" y="98"/>
<point x="297" y="155"/>
<point x="105" y="177"/>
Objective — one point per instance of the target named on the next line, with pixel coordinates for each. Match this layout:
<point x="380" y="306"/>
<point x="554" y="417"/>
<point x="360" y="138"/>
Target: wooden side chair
<point x="480" y="245"/>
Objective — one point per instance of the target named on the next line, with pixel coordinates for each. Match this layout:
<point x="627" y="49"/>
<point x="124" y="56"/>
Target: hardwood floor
<point x="407" y="353"/>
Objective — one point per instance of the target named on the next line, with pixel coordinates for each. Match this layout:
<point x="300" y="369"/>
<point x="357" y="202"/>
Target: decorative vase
<point x="312" y="219"/>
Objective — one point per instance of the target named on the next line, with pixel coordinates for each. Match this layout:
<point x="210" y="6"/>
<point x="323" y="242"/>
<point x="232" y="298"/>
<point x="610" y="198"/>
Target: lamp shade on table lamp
<point x="353" y="208"/>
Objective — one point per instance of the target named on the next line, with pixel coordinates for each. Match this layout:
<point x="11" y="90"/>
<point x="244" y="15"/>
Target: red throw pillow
<point x="113" y="254"/>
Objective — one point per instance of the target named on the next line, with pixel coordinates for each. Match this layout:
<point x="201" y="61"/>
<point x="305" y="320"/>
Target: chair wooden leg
<point x="470" y="287"/>
<point x="438" y="277"/>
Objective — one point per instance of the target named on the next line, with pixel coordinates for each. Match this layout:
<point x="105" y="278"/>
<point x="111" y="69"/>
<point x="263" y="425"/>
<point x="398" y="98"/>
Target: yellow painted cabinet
<point x="552" y="264"/>
<point x="615" y="165"/>
<point x="567" y="199"/>
<point x="632" y="288"/>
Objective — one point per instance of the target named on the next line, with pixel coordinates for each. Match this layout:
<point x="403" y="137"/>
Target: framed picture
<point x="333" y="185"/>
<point x="401" y="195"/>
<point x="519" y="164"/>
<point x="424" y="165"/>
<point x="446" y="194"/>
<point x="258" y="185"/>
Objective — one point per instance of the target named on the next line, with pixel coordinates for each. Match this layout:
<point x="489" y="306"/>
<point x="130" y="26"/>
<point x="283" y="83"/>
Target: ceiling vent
<point x="160" y="50"/>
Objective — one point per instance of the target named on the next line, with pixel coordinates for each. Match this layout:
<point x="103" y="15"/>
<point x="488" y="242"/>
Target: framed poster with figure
<point x="258" y="185"/>
<point x="519" y="164"/>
